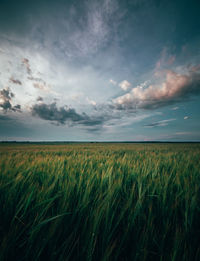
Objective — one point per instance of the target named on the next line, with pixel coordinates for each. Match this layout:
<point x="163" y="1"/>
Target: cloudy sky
<point x="104" y="70"/>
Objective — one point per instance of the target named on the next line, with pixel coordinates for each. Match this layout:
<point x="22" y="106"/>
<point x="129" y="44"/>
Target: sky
<point x="99" y="70"/>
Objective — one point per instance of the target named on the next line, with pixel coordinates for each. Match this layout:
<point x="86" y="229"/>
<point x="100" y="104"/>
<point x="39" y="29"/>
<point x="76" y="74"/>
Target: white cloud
<point x="175" y="108"/>
<point x="126" y="121"/>
<point x="125" y="85"/>
<point x="92" y="102"/>
<point x="184" y="133"/>
<point x="112" y="82"/>
<point x="44" y="75"/>
<point x="161" y="123"/>
<point x="175" y="88"/>
<point x="142" y="85"/>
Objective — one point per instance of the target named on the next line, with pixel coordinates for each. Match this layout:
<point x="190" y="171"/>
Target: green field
<point x="99" y="202"/>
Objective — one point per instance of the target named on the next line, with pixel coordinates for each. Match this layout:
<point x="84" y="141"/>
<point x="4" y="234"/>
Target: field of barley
<point x="100" y="202"/>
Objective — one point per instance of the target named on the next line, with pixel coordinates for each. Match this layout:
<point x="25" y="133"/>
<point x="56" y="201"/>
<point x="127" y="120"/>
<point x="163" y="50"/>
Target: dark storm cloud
<point x="39" y="98"/>
<point x="15" y="81"/>
<point x="6" y="101"/>
<point x="62" y="115"/>
<point x="36" y="79"/>
<point x="175" y="88"/>
<point x="16" y="107"/>
<point x="26" y="63"/>
<point x="6" y="94"/>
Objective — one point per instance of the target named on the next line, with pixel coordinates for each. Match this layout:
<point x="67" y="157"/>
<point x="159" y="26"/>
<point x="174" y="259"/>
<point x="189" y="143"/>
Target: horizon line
<point x="94" y="141"/>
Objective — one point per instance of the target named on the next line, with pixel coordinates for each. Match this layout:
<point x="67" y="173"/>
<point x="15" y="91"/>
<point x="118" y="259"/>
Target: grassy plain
<point x="99" y="202"/>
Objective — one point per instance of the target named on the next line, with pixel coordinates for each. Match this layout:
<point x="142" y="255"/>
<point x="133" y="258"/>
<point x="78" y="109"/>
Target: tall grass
<point x="100" y="202"/>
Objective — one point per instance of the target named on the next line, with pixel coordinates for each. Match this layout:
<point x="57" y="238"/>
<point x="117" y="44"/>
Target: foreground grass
<point x="100" y="202"/>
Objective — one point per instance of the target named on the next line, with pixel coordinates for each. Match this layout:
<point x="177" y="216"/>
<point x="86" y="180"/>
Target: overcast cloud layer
<point x="99" y="70"/>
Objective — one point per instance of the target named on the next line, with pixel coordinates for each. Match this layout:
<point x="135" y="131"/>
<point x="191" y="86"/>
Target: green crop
<point x="99" y="202"/>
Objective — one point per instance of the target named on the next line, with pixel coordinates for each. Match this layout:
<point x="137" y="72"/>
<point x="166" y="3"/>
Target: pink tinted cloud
<point x="175" y="88"/>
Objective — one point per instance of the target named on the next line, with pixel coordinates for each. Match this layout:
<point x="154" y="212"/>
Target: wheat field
<point x="100" y="201"/>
